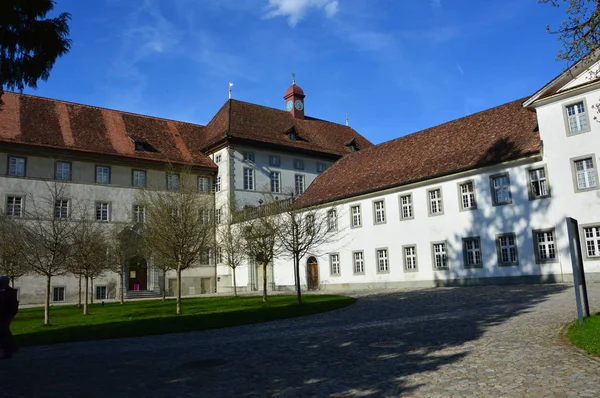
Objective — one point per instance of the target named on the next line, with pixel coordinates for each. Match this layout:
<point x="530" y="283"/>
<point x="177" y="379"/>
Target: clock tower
<point x="294" y="99"/>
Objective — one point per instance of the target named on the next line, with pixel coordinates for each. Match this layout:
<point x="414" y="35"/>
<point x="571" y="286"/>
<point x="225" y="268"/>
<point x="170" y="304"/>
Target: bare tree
<point x="230" y="239"/>
<point x="165" y="265"/>
<point x="11" y="258"/>
<point x="260" y="235"/>
<point x="174" y="230"/>
<point x="48" y="234"/>
<point x="125" y="243"/>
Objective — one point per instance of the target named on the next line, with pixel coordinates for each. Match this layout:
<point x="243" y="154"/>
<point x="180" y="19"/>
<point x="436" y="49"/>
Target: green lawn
<point x="142" y="318"/>
<point x="586" y="335"/>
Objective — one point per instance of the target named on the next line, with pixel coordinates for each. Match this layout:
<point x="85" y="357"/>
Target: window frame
<point x="296" y="184"/>
<point x="466" y="252"/>
<point x="331" y="265"/>
<point x="217" y="184"/>
<point x="332" y="222"/>
<point x="321" y="167"/>
<point x="446" y="267"/>
<point x="362" y="253"/>
<point x="61" y="200"/>
<point x="21" y="206"/>
<point x="576" y="188"/>
<point x="217" y="158"/>
<point x="359" y="225"/>
<point x="441" y="200"/>
<point x="384" y="218"/>
<point x="493" y="191"/>
<point x="64" y="294"/>
<point x="200" y="185"/>
<point x="532" y="195"/>
<point x="248" y="156"/>
<point x="105" y="292"/>
<point x="459" y="186"/>
<point x="411" y="206"/>
<point x="64" y="163"/>
<point x="566" y="117"/>
<point x="298" y="164"/>
<point x="386" y="259"/>
<point x="100" y="202"/>
<point x="170" y="186"/>
<point x="101" y="166"/>
<point x="23" y="158"/>
<point x="499" y="250"/>
<point x="133" y="179"/>
<point x="136" y="213"/>
<point x="275" y="160"/>
<point x="249" y="184"/>
<point x="277" y="181"/>
<point x="536" y="246"/>
<point x="406" y="269"/>
<point x="582" y="228"/>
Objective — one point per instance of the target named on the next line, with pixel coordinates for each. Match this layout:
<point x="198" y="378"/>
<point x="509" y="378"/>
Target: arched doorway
<point x="312" y="271"/>
<point x="138" y="274"/>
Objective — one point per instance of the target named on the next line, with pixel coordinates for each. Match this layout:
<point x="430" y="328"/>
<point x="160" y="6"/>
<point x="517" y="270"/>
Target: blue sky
<point x="395" y="66"/>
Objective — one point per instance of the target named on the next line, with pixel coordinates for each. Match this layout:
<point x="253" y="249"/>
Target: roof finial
<point x="293" y="79"/>
<point x="347" y="119"/>
<point x="230" y="85"/>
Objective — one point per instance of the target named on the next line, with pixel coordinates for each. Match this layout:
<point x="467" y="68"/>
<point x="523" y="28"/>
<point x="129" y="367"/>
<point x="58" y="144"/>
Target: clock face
<point x="299" y="105"/>
<point x="289" y="105"/>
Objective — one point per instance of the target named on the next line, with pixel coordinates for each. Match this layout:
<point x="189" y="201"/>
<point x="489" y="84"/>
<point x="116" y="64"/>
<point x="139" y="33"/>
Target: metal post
<point x="573" y="243"/>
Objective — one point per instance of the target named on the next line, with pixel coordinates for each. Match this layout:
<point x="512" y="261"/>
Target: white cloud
<point x="295" y="10"/>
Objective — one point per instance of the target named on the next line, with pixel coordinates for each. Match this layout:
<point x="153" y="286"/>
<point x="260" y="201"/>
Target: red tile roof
<point x="503" y="133"/>
<point x="49" y="123"/>
<point x="263" y="125"/>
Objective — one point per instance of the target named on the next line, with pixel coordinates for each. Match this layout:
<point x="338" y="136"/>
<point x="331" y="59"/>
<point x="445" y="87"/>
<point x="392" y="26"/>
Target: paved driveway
<point x="472" y="341"/>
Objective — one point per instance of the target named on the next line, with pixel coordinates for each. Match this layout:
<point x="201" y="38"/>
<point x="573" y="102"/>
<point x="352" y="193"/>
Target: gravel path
<point x="448" y="342"/>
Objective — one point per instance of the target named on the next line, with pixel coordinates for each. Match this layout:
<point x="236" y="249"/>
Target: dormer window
<point x="292" y="135"/>
<point x="352" y="145"/>
<point x="143" y="146"/>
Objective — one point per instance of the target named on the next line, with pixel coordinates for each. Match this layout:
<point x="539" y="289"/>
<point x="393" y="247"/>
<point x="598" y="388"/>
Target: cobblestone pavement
<point x="447" y="342"/>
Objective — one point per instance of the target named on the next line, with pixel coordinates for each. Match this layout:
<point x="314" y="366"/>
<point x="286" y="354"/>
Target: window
<point x="248" y="156"/>
<point x="359" y="263"/>
<point x="406" y="209"/>
<point x="309" y="220"/>
<point x="248" y="179"/>
<point x="138" y="178"/>
<point x="14" y="206"/>
<point x="299" y="184"/>
<point x="410" y="258"/>
<point x="435" y="202"/>
<point x="205" y="256"/>
<point x="500" y="185"/>
<point x="356" y="216"/>
<point x="577" y="120"/>
<point x="16" y="166"/>
<point x="173" y="182"/>
<point x="218" y="215"/>
<point x="299" y="164"/>
<point x="61" y="208"/>
<point x="467" y="196"/>
<point x="102" y="211"/>
<point x="139" y="214"/>
<point x="274" y="161"/>
<point x="382" y="260"/>
<point x="545" y="246"/>
<point x="440" y="256"/>
<point x="275" y="181"/>
<point x="592" y="241"/>
<point x="331" y="220"/>
<point x="321" y="167"/>
<point x="101" y="293"/>
<point x="334" y="263"/>
<point x="102" y="175"/>
<point x="204" y="217"/>
<point x="58" y="294"/>
<point x="538" y="183"/>
<point x="379" y="208"/>
<point x="472" y="252"/>
<point x="217" y="184"/>
<point x="203" y="184"/>
<point x="218" y="158"/>
<point x="62" y="171"/>
<point x="507" y="249"/>
<point x="584" y="173"/>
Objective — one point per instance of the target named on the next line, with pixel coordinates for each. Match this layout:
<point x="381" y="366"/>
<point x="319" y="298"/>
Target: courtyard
<point x="469" y="341"/>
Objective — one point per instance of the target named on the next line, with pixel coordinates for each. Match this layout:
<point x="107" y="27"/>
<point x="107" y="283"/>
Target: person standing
<point x="9" y="306"/>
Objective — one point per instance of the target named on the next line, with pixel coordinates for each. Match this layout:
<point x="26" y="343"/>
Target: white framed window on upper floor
<point x="544" y="241"/>
<point x="466" y="195"/>
<point x="274" y="161"/>
<point x="379" y="212"/>
<point x="205" y="257"/>
<point x="321" y="167"/>
<point x="249" y="157"/>
<point x="409" y="253"/>
<point x="590" y="237"/>
<point x="309" y="223"/>
<point x="14" y="206"/>
<point x="299" y="184"/>
<point x="218" y="216"/>
<point x="204" y="217"/>
<point x="62" y="208"/>
<point x="139" y="214"/>
<point x="102" y="174"/>
<point x="500" y="186"/>
<point x="101" y="292"/>
<point x="58" y="294"/>
<point x="472" y="252"/>
<point x="62" y="171"/>
<point x="538" y="184"/>
<point x="17" y="166"/>
<point x="334" y="264"/>
<point x="332" y="222"/>
<point x="576" y="117"/>
<point x="359" y="262"/>
<point x="585" y="173"/>
<point x="406" y="207"/>
<point x="356" y="216"/>
<point x="434" y="202"/>
<point x="275" y="177"/>
<point x="506" y="246"/>
<point x="102" y="211"/>
<point x="172" y="182"/>
<point x="138" y="178"/>
<point x="298" y="164"/>
<point x="248" y="179"/>
<point x="383" y="263"/>
<point x="219" y="255"/>
<point x="218" y="158"/>
<point x="203" y="184"/>
<point x="439" y="254"/>
<point x="217" y="184"/>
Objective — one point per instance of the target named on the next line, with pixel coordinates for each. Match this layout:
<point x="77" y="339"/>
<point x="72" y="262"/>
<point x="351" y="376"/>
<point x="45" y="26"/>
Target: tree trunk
<point x="92" y="290"/>
<point x="12" y="282"/>
<point x="122" y="287"/>
<point x="47" y="301"/>
<point x="297" y="272"/>
<point x="164" y="289"/>
<point x="264" y="282"/>
<point x="234" y="284"/>
<point x="79" y="293"/>
<point x="178" y="288"/>
<point x="85" y="301"/>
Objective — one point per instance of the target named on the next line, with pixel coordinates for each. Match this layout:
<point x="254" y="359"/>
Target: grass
<point x="150" y="317"/>
<point x="586" y="335"/>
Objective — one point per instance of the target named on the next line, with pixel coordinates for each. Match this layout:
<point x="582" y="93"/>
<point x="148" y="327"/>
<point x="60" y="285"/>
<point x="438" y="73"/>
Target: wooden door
<point x="138" y="275"/>
<point x="313" y="273"/>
